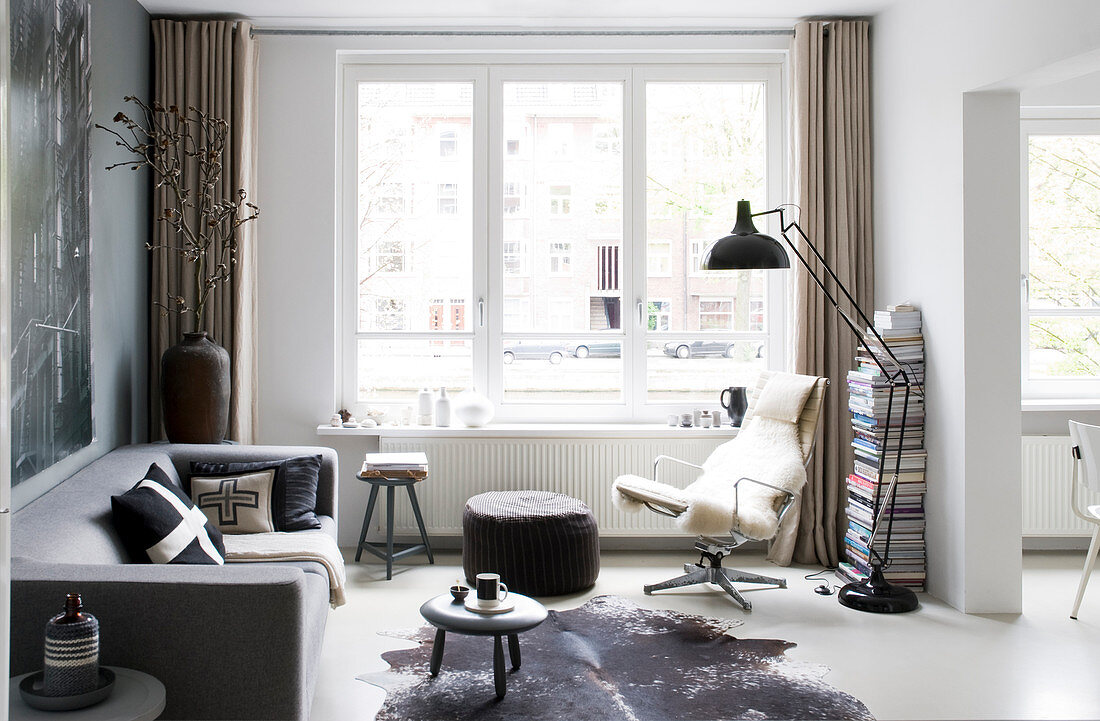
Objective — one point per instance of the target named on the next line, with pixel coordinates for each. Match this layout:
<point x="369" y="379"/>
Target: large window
<point x="1061" y="290"/>
<point x="536" y="230"/>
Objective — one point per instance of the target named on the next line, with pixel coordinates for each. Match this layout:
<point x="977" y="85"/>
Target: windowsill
<point x="535" y="430"/>
<point x="1060" y="404"/>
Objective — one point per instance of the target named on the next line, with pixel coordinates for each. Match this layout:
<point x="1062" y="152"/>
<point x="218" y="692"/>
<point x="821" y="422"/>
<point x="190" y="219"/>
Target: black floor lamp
<point x="746" y="248"/>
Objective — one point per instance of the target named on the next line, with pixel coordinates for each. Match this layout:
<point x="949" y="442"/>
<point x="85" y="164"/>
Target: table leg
<point x="389" y="532"/>
<point x="437" y="652"/>
<point x="420" y="522"/>
<point x="366" y="521"/>
<point x="498" y="666"/>
<point x="513" y="650"/>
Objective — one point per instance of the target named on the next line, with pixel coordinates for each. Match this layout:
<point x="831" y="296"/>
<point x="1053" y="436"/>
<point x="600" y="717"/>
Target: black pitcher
<point x="735" y="401"/>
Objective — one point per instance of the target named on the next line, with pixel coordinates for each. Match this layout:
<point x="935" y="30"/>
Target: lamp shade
<point x="745" y="248"/>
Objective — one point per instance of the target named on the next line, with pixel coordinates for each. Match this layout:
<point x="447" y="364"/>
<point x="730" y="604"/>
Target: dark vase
<point x="736" y="402"/>
<point x="194" y="390"/>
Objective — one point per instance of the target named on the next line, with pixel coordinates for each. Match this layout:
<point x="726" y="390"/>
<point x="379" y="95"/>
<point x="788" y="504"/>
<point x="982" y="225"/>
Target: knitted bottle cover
<point x="72" y="657"/>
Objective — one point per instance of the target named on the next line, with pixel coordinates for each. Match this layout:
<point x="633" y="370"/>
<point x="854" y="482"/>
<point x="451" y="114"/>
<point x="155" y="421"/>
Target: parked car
<point x="553" y="352"/>
<point x="598" y="349"/>
<point x="706" y="349"/>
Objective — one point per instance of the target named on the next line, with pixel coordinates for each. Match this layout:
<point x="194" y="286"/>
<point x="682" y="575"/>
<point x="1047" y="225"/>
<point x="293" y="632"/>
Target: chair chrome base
<point x="696" y="573"/>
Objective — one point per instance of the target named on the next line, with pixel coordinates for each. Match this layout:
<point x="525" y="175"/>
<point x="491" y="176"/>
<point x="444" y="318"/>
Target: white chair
<point x="1086" y="448"/>
<point x="761" y="504"/>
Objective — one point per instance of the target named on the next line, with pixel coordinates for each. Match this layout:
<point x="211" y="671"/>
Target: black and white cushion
<point x="159" y="524"/>
<point x="294" y="496"/>
<point x="236" y="502"/>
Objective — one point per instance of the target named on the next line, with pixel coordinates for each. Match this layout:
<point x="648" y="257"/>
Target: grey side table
<point x="137" y="696"/>
<point x="390" y="481"/>
<point x="446" y="614"/>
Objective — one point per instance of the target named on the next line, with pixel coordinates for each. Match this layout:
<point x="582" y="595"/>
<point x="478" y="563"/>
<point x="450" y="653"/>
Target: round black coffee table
<point x="446" y="614"/>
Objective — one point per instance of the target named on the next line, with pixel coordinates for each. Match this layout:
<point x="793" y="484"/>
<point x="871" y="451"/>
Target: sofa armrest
<point x="228" y="642"/>
<point x="182" y="454"/>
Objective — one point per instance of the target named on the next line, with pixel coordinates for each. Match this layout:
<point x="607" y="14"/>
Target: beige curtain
<point x="210" y="65"/>
<point x="832" y="174"/>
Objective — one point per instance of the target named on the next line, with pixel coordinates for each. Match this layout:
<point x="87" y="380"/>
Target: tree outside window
<point x="1063" y="257"/>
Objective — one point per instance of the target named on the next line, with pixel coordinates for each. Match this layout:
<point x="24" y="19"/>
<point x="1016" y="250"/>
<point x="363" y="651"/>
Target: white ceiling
<point x="519" y="13"/>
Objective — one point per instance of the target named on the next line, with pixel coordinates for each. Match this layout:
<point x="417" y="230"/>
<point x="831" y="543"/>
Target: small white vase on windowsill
<point x="472" y="408"/>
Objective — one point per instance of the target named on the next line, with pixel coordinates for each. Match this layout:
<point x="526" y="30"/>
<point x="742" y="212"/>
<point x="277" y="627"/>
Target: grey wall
<point x="121" y="57"/>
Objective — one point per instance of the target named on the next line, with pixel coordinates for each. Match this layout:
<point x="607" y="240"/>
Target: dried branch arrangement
<point x="176" y="145"/>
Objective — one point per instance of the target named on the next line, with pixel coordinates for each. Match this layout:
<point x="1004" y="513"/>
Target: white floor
<point x="936" y="663"/>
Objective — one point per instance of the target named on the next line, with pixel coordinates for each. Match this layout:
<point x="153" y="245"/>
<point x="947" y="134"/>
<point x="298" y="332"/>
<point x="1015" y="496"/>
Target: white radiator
<point x="463" y="467"/>
<point x="1047" y="470"/>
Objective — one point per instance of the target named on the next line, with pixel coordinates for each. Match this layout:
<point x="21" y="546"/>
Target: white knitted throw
<point x="315" y="546"/>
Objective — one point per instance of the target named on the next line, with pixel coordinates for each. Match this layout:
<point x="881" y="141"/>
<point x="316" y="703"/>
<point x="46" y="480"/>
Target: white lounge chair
<point x="747" y="486"/>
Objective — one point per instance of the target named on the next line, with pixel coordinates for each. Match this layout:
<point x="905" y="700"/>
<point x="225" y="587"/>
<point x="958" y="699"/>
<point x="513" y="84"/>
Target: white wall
<point x="1075" y="92"/>
<point x="297" y="224"/>
<point x="926" y="55"/>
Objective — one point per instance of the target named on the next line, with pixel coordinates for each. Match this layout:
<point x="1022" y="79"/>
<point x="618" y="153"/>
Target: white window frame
<point x="453" y="131"/>
<point x="666" y="311"/>
<point x="666" y="256"/>
<point x="732" y="313"/>
<point x="440" y="197"/>
<point x="521" y="256"/>
<point x="1037" y="122"/>
<point x="562" y="252"/>
<point x="486" y="71"/>
<point x="563" y="202"/>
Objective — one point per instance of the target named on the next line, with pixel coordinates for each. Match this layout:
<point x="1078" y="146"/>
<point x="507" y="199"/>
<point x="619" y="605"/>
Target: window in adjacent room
<point x="1061" y="259"/>
<point x="535" y="231"/>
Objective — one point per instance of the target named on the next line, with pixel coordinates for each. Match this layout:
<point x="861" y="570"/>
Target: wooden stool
<point x="391" y="480"/>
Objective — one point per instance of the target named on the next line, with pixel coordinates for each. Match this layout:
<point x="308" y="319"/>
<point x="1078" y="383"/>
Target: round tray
<point x="30" y="688"/>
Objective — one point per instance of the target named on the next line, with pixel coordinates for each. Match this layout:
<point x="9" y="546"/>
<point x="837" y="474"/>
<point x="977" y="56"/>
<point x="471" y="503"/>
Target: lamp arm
<point x="898" y="377"/>
<point x="899" y="368"/>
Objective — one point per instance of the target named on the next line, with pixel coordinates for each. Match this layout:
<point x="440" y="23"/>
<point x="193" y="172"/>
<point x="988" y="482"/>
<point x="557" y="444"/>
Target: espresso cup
<point x="489" y="590"/>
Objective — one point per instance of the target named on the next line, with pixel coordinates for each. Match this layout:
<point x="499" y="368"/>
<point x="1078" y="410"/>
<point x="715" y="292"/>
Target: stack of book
<point x="873" y="413"/>
<point x="395" y="465"/>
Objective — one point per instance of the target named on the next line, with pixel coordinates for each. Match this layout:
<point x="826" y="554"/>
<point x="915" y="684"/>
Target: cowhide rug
<point x="612" y="659"/>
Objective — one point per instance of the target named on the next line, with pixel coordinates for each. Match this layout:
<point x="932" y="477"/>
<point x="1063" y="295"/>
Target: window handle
<point x="481" y="312"/>
<point x="641" y="314"/>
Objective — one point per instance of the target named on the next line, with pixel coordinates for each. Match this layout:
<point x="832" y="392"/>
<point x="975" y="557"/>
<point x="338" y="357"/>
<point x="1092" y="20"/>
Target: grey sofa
<point x="240" y="641"/>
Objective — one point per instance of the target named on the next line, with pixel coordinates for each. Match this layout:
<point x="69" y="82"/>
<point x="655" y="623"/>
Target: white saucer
<point x="503" y="607"/>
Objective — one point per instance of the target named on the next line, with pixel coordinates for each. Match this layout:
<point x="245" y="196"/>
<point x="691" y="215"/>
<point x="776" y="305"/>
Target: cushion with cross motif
<point x="157" y="523"/>
<point x="236" y="502"/>
<point x="294" y="495"/>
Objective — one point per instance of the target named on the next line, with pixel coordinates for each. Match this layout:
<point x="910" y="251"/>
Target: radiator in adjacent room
<point x="582" y="468"/>
<point x="1047" y="470"/>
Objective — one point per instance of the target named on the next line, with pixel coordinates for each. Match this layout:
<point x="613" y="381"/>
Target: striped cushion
<point x="541" y="543"/>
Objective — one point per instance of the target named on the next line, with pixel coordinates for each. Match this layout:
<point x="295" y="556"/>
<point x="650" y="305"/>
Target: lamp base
<point x="877" y="595"/>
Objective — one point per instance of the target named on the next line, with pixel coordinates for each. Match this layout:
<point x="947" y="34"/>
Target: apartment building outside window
<point x="588" y="271"/>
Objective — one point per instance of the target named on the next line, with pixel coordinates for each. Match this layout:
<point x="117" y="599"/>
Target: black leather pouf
<point x="541" y="543"/>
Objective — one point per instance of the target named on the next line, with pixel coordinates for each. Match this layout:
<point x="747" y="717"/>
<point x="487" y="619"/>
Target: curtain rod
<point x="515" y="33"/>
